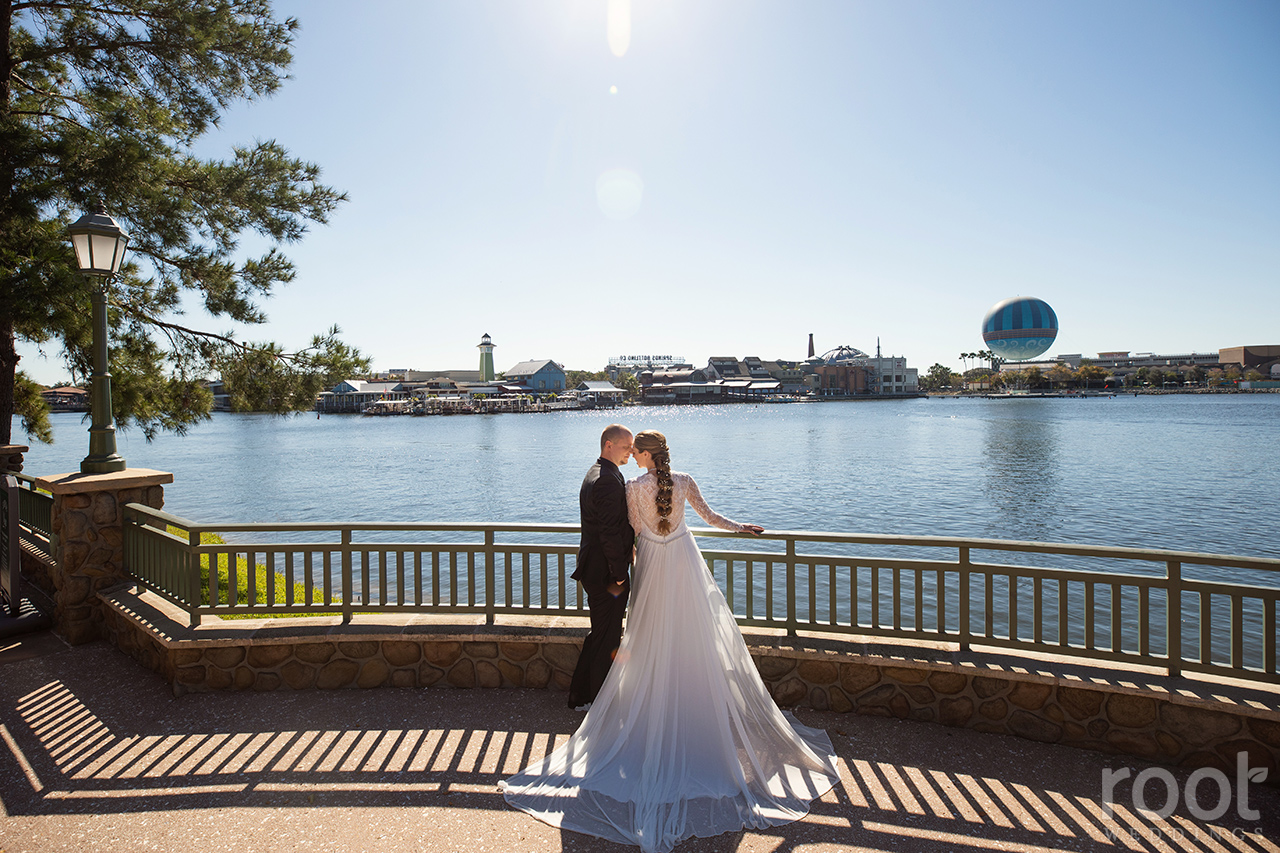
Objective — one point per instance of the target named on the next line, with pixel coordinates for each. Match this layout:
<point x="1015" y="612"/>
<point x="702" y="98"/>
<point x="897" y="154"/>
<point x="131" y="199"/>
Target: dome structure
<point x="842" y="355"/>
<point x="1020" y="328"/>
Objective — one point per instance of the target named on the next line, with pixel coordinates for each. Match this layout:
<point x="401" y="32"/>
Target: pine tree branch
<point x="293" y="358"/>
<point x="42" y="6"/>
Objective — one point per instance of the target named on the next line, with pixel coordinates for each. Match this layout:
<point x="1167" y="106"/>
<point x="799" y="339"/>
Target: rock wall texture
<point x="1160" y="727"/>
<point x="88" y="554"/>
<point x="11" y="458"/>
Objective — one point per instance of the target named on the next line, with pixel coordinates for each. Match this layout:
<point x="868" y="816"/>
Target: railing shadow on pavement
<point x="104" y="739"/>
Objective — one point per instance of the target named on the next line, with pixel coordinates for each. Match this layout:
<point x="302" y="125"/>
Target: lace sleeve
<point x="705" y="512"/>
<point x="634" y="496"/>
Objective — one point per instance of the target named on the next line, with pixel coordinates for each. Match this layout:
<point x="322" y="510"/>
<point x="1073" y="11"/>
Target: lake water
<point x="1186" y="472"/>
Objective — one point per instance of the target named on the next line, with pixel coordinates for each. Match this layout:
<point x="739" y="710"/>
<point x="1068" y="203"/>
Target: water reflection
<point x="1021" y="473"/>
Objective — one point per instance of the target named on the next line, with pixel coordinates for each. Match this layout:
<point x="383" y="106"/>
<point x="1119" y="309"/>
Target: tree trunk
<point x="8" y="353"/>
<point x="8" y="370"/>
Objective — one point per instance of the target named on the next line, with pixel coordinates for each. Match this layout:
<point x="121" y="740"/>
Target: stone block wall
<point x="38" y="567"/>
<point x="11" y="458"/>
<point x="1161" y="727"/>
<point x="1152" y="726"/>
<point x="328" y="664"/>
<point x="88" y="541"/>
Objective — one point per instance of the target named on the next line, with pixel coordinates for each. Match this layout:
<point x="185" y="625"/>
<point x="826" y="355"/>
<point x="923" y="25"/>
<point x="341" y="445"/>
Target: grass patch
<point x="261" y="580"/>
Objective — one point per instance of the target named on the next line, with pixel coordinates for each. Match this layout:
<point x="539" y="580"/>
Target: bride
<point x="683" y="738"/>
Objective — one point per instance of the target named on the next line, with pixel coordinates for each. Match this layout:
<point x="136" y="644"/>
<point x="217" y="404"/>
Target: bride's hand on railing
<point x="753" y="529"/>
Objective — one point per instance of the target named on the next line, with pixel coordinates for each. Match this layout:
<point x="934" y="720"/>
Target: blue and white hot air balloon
<point x="1020" y="328"/>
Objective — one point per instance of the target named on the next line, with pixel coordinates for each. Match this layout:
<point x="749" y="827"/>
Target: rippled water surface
<point x="1183" y="472"/>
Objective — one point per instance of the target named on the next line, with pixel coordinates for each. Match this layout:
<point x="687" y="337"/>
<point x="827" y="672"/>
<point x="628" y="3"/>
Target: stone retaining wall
<point x="1160" y="726"/>
<point x="11" y="458"/>
<point x="88" y="540"/>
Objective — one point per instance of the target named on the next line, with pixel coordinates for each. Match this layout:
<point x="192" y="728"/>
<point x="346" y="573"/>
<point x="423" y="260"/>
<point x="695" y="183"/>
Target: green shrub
<point x="260" y="579"/>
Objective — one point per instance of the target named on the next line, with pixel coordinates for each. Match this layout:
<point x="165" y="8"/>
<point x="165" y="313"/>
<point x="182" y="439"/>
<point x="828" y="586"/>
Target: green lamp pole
<point x="100" y="243"/>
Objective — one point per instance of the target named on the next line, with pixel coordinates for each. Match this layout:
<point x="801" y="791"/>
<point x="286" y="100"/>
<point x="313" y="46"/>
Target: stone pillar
<point x="11" y="458"/>
<point x="88" y="540"/>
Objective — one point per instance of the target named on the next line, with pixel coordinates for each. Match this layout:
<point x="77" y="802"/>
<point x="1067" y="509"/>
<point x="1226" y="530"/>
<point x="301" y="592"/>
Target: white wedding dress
<point x="683" y="739"/>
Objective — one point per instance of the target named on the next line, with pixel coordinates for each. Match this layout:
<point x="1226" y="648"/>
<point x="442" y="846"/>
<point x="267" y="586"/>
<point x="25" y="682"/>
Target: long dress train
<point x="683" y="738"/>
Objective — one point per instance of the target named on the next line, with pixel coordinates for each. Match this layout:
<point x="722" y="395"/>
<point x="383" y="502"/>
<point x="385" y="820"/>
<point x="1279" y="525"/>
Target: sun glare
<point x="619" y="26"/>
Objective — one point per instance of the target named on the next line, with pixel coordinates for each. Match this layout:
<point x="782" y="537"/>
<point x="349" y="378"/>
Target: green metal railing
<point x="35" y="514"/>
<point x="25" y="522"/>
<point x="1168" y="609"/>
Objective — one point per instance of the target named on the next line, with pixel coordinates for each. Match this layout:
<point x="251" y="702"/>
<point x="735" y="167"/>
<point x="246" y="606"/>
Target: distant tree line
<point x="1061" y="377"/>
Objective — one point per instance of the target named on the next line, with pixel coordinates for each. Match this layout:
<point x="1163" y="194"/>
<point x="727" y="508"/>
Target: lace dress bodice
<point x="642" y="505"/>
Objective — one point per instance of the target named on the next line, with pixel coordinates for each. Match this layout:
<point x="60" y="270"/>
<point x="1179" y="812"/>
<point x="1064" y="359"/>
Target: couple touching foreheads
<point x="681" y="737"/>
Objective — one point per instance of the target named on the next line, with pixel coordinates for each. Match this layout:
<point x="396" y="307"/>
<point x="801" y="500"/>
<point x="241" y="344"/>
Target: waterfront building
<point x="885" y="375"/>
<point x="637" y="364"/>
<point x="894" y="377"/>
<point x="221" y="399"/>
<point x="352" y="395"/>
<point x="726" y="367"/>
<point x="66" y="398"/>
<point x="601" y="393"/>
<point x="742" y="380"/>
<point x="789" y="374"/>
<point x="415" y="376"/>
<point x="542" y="376"/>
<point x="686" y="385"/>
<point x="1123" y="362"/>
<point x="1264" y="359"/>
<point x="842" y="380"/>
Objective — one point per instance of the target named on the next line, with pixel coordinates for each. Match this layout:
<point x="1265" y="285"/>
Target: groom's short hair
<point x="613" y="432"/>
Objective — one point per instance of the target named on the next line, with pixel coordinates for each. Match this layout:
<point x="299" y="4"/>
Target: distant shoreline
<point x="1128" y="392"/>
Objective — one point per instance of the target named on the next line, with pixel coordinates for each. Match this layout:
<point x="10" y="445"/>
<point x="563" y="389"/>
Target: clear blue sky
<point x="746" y="173"/>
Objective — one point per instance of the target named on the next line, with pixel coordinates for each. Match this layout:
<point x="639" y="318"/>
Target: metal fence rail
<point x="10" y="551"/>
<point x="1155" y="613"/>
<point x="25" y="522"/>
<point x="35" y="514"/>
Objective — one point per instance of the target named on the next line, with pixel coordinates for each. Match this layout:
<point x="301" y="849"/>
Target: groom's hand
<point x="615" y="589"/>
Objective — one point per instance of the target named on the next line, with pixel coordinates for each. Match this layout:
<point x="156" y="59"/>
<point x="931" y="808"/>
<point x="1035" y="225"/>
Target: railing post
<point x="490" y="593"/>
<point x="11" y="571"/>
<point x="791" y="586"/>
<point x="348" y="586"/>
<point x="964" y="598"/>
<point x="1173" y="616"/>
<point x="193" y="574"/>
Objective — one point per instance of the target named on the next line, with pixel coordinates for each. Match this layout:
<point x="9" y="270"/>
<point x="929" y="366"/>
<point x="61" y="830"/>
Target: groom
<point x="603" y="559"/>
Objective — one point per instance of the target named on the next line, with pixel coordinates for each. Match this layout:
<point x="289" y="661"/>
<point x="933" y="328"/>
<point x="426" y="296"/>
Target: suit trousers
<point x="601" y="644"/>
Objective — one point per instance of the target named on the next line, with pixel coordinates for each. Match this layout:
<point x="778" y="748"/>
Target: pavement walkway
<point x="97" y="755"/>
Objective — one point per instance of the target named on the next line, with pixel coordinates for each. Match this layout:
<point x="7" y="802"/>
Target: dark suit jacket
<point x="605" y="552"/>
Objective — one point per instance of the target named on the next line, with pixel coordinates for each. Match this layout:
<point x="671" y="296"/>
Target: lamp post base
<point x="103" y="464"/>
<point x="102" y="458"/>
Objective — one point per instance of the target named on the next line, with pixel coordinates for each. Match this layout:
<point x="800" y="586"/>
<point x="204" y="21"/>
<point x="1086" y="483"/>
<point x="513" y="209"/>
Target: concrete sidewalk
<point x="98" y="756"/>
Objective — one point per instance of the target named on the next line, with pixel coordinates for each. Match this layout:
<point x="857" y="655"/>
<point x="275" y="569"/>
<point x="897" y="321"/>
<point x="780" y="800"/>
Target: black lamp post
<point x="100" y="243"/>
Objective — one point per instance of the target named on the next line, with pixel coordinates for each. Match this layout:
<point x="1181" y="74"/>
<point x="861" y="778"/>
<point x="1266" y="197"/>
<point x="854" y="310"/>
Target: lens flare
<point x="618" y="192"/>
<point x="619" y="26"/>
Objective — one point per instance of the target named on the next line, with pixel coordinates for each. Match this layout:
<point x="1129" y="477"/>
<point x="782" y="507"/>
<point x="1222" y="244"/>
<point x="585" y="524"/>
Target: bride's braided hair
<point x="655" y="443"/>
